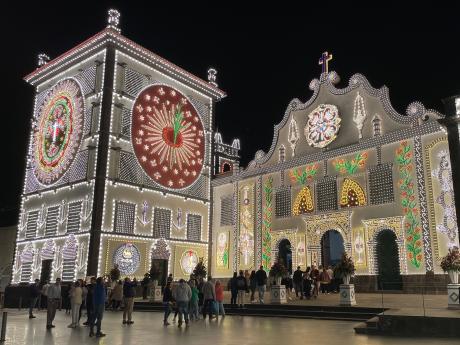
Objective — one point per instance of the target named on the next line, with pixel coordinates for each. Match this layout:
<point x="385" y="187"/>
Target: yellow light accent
<point x="303" y="202"/>
<point x="351" y="185"/>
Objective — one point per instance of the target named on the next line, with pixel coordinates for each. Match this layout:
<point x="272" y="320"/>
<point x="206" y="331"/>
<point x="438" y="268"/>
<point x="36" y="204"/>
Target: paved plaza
<point x="231" y="330"/>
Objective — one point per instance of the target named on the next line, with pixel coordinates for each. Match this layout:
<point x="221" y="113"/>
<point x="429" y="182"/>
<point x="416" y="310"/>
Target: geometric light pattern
<point x="128" y="258"/>
<point x="323" y="124"/>
<point x="167" y="137"/>
<point x="161" y="223"/>
<point x="352" y="194"/>
<point x="303" y="202"/>
<point x="226" y="210"/>
<point x="58" y="134"/>
<point x="124" y="217"/>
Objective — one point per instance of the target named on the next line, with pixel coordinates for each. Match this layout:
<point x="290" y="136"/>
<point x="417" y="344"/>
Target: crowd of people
<point x="95" y="295"/>
<point x="189" y="301"/>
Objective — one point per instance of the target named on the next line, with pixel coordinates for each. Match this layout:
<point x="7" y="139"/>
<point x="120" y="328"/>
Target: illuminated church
<point x="124" y="167"/>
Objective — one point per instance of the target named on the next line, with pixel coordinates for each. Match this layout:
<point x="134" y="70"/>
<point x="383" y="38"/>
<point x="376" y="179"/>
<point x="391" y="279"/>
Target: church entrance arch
<point x="389" y="275"/>
<point x="285" y="254"/>
<point x="332" y="248"/>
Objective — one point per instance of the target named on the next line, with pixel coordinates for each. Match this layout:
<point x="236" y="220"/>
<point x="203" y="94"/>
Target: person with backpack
<point x="242" y="286"/>
<point x="261" y="279"/>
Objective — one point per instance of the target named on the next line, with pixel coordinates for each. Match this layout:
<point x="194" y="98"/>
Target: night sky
<point x="263" y="62"/>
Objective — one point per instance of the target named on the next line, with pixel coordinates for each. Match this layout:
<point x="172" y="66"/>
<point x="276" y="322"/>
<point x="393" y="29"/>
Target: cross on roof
<point x="324" y="62"/>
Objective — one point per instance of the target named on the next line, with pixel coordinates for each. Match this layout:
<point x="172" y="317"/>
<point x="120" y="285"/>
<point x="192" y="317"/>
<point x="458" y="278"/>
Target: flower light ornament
<point x="345" y="268"/>
<point x="451" y="264"/>
<point x="323" y="124"/>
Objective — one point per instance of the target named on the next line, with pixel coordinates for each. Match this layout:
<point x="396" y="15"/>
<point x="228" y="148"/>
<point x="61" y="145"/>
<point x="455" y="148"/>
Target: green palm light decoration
<point x="177" y="122"/>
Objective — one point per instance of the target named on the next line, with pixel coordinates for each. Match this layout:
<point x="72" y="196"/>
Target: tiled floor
<point x="232" y="330"/>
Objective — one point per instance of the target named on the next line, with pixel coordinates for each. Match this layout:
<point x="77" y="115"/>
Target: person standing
<point x="261" y="279"/>
<point x="117" y="295"/>
<point x="325" y="280"/>
<point x="76" y="298"/>
<point x="54" y="297"/>
<point x="297" y="280"/>
<point x="145" y="286"/>
<point x="332" y="287"/>
<point x="219" y="299"/>
<point x="252" y="285"/>
<point x="194" y="315"/>
<point x="100" y="297"/>
<point x="34" y="293"/>
<point x="242" y="285"/>
<point x="182" y="295"/>
<point x="306" y="283"/>
<point x="167" y="302"/>
<point x="128" y="298"/>
<point x="209" y="296"/>
<point x="314" y="275"/>
<point x="233" y="289"/>
<point x="90" y="311"/>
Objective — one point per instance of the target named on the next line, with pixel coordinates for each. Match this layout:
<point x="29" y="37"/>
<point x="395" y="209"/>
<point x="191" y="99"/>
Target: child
<point x="219" y="299"/>
<point x="194" y="302"/>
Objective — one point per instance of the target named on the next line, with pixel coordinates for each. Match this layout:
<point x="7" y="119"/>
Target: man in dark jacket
<point x="129" y="292"/>
<point x="297" y="280"/>
<point x="99" y="306"/>
<point x="34" y="292"/>
<point x="145" y="286"/>
<point x="90" y="312"/>
<point x="242" y="285"/>
<point x="261" y="279"/>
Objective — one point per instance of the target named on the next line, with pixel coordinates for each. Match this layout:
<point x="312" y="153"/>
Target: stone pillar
<point x="347" y="295"/>
<point x="278" y="294"/>
<point x="453" y="295"/>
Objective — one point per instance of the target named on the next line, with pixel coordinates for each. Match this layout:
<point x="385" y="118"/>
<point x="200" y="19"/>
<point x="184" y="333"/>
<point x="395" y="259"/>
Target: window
<point x="124" y="217"/>
<point x="226" y="210"/>
<point x="193" y="227"/>
<point x="283" y="203"/>
<point x="52" y="221"/>
<point x="161" y="223"/>
<point x="73" y="218"/>
<point x="326" y="191"/>
<point x="381" y="184"/>
<point x="31" y="230"/>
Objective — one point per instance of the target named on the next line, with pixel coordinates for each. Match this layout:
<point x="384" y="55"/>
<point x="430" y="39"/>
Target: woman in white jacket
<point x="76" y="298"/>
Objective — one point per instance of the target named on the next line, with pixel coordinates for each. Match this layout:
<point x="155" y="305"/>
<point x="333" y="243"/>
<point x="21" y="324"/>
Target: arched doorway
<point x="389" y="277"/>
<point x="332" y="248"/>
<point x="285" y="254"/>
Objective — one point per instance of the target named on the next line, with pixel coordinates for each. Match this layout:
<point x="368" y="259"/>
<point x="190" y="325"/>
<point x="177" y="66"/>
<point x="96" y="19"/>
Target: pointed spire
<point x="42" y="59"/>
<point x="113" y="19"/>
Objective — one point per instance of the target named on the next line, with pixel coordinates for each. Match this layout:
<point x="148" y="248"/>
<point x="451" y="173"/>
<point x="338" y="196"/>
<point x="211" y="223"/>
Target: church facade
<point x="345" y="173"/>
<point x="119" y="164"/>
<point x="123" y="167"/>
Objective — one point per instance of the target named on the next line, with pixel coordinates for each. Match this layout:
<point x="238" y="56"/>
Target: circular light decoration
<point x="188" y="261"/>
<point x="128" y="258"/>
<point x="59" y="130"/>
<point x="167" y="136"/>
<point x="323" y="125"/>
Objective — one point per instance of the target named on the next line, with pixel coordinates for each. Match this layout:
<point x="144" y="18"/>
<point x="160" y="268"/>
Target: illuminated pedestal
<point x="278" y="294"/>
<point x="347" y="295"/>
<point x="155" y="292"/>
<point x="453" y="295"/>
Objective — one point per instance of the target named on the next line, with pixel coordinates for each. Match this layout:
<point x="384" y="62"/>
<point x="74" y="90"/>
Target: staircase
<point x="286" y="310"/>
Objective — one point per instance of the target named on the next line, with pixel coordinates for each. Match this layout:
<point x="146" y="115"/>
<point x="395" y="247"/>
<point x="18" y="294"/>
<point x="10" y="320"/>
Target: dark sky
<point x="263" y="61"/>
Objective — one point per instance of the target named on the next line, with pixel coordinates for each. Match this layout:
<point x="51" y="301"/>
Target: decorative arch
<point x="318" y="225"/>
<point x="277" y="237"/>
<point x="303" y="202"/>
<point x="373" y="228"/>
<point x="352" y="194"/>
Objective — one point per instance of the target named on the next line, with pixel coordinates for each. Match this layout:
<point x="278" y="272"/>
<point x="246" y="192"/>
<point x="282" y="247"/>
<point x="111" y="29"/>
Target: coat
<point x="209" y="291"/>
<point x="117" y="292"/>
<point x="182" y="293"/>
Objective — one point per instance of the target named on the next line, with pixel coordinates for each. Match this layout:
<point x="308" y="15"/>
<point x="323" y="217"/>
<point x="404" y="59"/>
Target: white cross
<point x="55" y="127"/>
